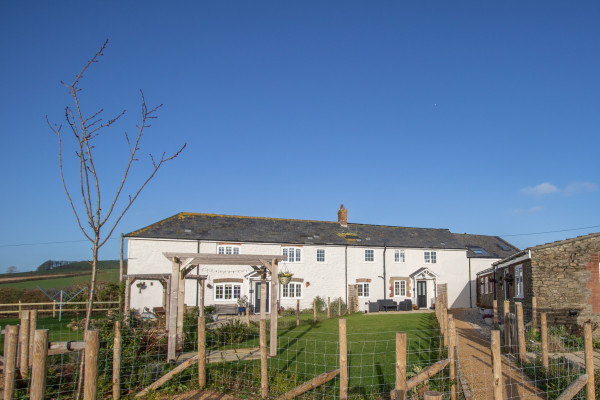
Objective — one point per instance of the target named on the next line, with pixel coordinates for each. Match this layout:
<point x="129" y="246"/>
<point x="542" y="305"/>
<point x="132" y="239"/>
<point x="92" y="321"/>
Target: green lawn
<point x="110" y="275"/>
<point x="58" y="331"/>
<point x="312" y="349"/>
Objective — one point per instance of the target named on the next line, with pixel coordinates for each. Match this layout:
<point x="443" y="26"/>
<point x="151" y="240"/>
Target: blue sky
<point x="479" y="117"/>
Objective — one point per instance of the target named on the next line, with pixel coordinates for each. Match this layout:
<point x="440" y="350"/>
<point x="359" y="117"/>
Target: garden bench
<point x="226" y="309"/>
<point x="387" y="305"/>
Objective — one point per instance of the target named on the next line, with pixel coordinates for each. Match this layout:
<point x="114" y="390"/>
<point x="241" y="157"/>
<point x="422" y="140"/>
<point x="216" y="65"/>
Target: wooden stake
<point x="534" y="314"/>
<point x="10" y="360"/>
<point x="247" y="316"/>
<point x="401" y="341"/>
<point x="116" y="378"/>
<point x="40" y="358"/>
<point x="306" y="386"/>
<point x="33" y="315"/>
<point x="506" y="325"/>
<point x="497" y="383"/>
<point x="340" y="308"/>
<point x="521" y="332"/>
<point x="495" y="310"/>
<point x="574" y="388"/>
<point x="544" y="341"/>
<point x="445" y="324"/>
<point x="202" y="351"/>
<point x="24" y="344"/>
<point x="343" y="360"/>
<point x="165" y="378"/>
<point x="53" y="308"/>
<point x="90" y="379"/>
<point x="589" y="361"/>
<point x="172" y="315"/>
<point x="328" y="307"/>
<point x="274" y="308"/>
<point x="297" y="312"/>
<point x="315" y="310"/>
<point x="264" y="379"/>
<point x="433" y="395"/>
<point x="451" y="356"/>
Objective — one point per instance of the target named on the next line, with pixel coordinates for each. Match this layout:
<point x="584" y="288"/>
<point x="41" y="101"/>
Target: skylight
<point x="478" y="250"/>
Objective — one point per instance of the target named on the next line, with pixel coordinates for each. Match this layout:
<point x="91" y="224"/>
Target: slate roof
<point x="230" y="228"/>
<point x="494" y="246"/>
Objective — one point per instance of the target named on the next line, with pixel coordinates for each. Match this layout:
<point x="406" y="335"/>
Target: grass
<point x="58" y="331"/>
<point x="110" y="275"/>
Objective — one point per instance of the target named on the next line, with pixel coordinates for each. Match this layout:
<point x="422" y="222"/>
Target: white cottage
<point x="328" y="259"/>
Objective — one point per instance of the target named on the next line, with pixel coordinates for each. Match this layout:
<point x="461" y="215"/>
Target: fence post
<point x="90" y="379"/>
<point x="343" y="360"/>
<point x="40" y="358"/>
<point x="328" y="307"/>
<point x="116" y="379"/>
<point x="33" y="314"/>
<point x="315" y="310"/>
<point x="521" y="333"/>
<point x="445" y="323"/>
<point x="264" y="379"/>
<point x="11" y="335"/>
<point x="497" y="384"/>
<point x="451" y="356"/>
<point x="20" y="307"/>
<point x="340" y="308"/>
<point x="506" y="323"/>
<point x="24" y="344"/>
<point x="247" y="316"/>
<point x="544" y="329"/>
<point x="589" y="361"/>
<point x="433" y="396"/>
<point x="202" y="350"/>
<point x="534" y="314"/>
<point x="297" y="312"/>
<point x="495" y="309"/>
<point x="400" y="392"/>
<point x="53" y="308"/>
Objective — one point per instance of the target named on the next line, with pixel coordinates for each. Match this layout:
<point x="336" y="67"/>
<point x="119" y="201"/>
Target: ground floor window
<point x="519" y="281"/>
<point x="228" y="291"/>
<point x="399" y="288"/>
<point x="363" y="289"/>
<point x="292" y="290"/>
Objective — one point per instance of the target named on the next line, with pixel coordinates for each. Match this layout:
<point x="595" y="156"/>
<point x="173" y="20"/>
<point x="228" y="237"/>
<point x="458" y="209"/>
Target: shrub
<point x="233" y="331"/>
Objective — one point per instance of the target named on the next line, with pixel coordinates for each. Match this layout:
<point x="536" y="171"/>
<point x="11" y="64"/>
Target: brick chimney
<point x="343" y="216"/>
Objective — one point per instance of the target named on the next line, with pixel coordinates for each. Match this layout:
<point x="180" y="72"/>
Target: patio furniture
<point x="405" y="305"/>
<point x="387" y="305"/>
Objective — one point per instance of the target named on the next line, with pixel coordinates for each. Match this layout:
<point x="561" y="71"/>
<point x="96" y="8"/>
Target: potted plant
<point x="242" y="303"/>
<point x="285" y="277"/>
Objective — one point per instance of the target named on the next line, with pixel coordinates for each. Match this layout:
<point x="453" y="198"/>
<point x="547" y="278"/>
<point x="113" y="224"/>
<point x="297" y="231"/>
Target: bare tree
<point x="95" y="221"/>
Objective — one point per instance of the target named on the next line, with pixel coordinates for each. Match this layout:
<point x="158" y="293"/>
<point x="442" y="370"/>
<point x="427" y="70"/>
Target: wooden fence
<point x="55" y="306"/>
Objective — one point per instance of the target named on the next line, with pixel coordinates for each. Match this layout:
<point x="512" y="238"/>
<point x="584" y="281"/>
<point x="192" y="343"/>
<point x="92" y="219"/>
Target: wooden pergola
<point x="182" y="265"/>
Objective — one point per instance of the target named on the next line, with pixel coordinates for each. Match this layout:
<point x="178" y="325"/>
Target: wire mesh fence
<point x="310" y="349"/>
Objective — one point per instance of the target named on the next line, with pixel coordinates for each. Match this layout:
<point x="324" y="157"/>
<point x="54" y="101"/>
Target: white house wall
<point x="326" y="279"/>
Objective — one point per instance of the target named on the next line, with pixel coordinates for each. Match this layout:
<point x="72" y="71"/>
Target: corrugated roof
<point x="194" y="226"/>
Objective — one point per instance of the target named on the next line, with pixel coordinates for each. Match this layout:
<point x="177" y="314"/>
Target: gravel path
<point x="476" y="361"/>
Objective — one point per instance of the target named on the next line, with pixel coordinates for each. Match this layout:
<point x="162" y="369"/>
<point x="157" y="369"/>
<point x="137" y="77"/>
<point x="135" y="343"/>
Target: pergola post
<point x="173" y="305"/>
<point x="127" y="297"/>
<point x="180" y="309"/>
<point x="274" y="307"/>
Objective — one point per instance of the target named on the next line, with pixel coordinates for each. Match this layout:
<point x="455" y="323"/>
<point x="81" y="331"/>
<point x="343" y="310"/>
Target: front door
<point x="422" y="294"/>
<point x="257" y="297"/>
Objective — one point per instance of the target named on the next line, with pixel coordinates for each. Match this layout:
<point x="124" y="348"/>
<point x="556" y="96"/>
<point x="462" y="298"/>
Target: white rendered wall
<point x="326" y="279"/>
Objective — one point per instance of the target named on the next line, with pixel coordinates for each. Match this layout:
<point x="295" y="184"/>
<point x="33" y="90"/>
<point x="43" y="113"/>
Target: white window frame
<point x="487" y="285"/>
<point x="363" y="289"/>
<point x="399" y="256"/>
<point x="372" y="256"/>
<point x="296" y="290"/>
<point x="228" y="249"/>
<point x="430" y="257"/>
<point x="519" y="286"/>
<point x="400" y="288"/>
<point x="324" y="256"/>
<point x="223" y="286"/>
<point x="297" y="256"/>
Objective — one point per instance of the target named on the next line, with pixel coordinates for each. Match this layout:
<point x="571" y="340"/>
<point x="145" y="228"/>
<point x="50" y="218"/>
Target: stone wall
<point x="566" y="281"/>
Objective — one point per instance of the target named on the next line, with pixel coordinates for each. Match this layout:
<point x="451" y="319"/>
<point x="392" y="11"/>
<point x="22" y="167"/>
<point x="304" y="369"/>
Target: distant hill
<point x="61" y="267"/>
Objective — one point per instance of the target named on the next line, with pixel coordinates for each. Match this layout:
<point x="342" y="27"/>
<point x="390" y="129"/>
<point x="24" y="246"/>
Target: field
<point x="46" y="281"/>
